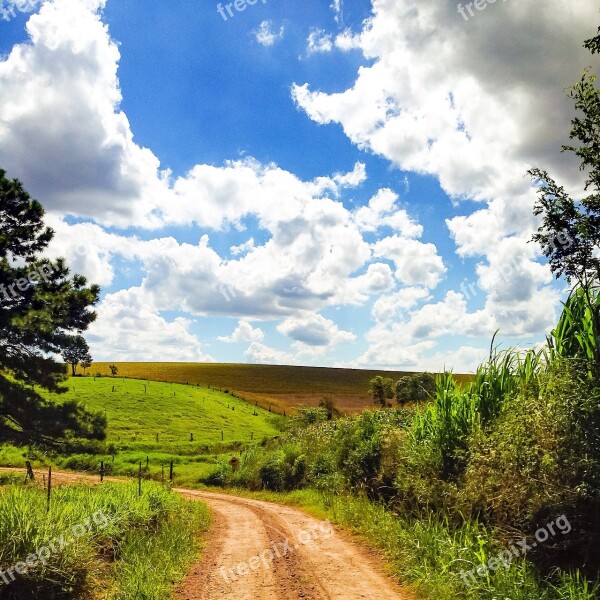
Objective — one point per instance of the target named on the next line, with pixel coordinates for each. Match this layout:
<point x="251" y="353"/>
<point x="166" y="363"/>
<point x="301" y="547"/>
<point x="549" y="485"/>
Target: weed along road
<point x="264" y="551"/>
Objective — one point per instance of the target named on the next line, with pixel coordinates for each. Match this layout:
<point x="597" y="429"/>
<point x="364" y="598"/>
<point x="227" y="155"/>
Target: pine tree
<point x="41" y="308"/>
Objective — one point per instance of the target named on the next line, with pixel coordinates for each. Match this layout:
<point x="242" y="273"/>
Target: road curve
<point x="263" y="551"/>
<point x="259" y="550"/>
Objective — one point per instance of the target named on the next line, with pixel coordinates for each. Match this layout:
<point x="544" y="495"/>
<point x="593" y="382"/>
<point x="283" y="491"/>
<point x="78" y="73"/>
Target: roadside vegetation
<point x="446" y="486"/>
<point x="104" y="541"/>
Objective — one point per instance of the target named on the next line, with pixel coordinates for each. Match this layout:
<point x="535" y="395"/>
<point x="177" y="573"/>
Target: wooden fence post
<point x="49" y="486"/>
<point x="101" y="471"/>
<point x="140" y="480"/>
<point x="30" y="474"/>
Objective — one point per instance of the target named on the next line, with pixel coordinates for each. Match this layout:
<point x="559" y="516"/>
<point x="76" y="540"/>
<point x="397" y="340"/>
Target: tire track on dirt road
<point x="316" y="562"/>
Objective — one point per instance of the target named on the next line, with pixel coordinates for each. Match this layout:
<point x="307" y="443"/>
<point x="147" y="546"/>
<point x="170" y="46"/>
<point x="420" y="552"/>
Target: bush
<point x="415" y="388"/>
<point x="327" y="403"/>
<point x="272" y="473"/>
<point x="542" y="458"/>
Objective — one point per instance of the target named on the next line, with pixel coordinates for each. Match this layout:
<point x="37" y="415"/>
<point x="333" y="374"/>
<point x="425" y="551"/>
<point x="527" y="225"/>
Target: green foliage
<point x="41" y="307"/>
<point x="273" y="473"/>
<point x="444" y="429"/>
<point x="570" y="230"/>
<point x="573" y="336"/>
<point x="310" y="416"/>
<point x="126" y="535"/>
<point x="542" y="454"/>
<point x="76" y="351"/>
<point x="343" y="454"/>
<point x="415" y="388"/>
<point x="381" y="390"/>
<point x="328" y="404"/>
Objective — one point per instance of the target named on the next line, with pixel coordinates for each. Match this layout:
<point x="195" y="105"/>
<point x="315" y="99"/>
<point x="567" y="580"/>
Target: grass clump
<point x="96" y="539"/>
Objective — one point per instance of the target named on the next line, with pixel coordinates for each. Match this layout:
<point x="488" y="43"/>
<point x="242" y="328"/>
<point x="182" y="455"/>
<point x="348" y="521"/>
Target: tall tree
<point x="41" y="308"/>
<point x="570" y="230"/>
<point x="77" y="351"/>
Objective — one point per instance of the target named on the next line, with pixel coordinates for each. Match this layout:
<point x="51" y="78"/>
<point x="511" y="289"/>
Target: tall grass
<point x="108" y="553"/>
<point x="573" y="336"/>
<point x="456" y="412"/>
<point x="434" y="555"/>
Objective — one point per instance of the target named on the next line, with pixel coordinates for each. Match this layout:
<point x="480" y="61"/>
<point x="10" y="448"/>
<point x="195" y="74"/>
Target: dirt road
<point x="263" y="551"/>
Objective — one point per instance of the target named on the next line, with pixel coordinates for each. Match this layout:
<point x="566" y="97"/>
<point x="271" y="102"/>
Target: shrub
<point x="327" y="403"/>
<point x="542" y="457"/>
<point x="309" y="416"/>
<point x="272" y="473"/>
<point x="415" y="388"/>
<point x="382" y="390"/>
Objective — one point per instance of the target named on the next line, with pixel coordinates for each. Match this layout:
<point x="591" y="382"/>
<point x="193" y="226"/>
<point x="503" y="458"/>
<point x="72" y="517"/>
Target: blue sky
<point x="301" y="183"/>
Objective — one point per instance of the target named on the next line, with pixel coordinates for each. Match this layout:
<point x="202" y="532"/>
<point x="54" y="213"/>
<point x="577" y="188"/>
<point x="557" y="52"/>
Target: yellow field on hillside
<point x="281" y="387"/>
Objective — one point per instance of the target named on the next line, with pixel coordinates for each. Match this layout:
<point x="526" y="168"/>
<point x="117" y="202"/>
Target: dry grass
<point x="281" y="387"/>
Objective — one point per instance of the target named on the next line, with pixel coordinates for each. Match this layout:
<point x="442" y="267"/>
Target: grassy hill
<point x="196" y="427"/>
<point x="282" y="387"/>
<point x="180" y="415"/>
